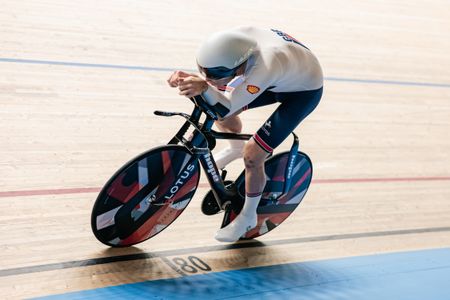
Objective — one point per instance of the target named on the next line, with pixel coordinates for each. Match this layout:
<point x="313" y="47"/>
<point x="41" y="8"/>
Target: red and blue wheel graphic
<point x="145" y="196"/>
<point x="275" y="206"/>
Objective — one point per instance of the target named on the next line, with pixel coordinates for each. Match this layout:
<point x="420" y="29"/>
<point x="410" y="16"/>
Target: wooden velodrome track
<point x="79" y="81"/>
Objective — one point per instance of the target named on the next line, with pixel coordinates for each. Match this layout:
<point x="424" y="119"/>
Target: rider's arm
<point x="178" y="76"/>
<point x="242" y="90"/>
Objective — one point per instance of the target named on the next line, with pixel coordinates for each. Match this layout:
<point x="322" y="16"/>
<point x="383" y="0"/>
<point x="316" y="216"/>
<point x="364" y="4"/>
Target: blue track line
<point x="158" y="69"/>
<point x="83" y="65"/>
<point x="414" y="275"/>
<point x="407" y="83"/>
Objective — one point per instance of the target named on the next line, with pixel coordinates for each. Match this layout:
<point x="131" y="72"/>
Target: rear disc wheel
<point x="274" y="207"/>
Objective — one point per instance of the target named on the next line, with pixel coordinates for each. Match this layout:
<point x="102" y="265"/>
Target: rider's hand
<point x="192" y="86"/>
<point x="176" y="77"/>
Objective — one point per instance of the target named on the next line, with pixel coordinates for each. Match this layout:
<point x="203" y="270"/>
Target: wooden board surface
<point x="79" y="82"/>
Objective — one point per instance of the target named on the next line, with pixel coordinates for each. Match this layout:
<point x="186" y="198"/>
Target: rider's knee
<point x="249" y="161"/>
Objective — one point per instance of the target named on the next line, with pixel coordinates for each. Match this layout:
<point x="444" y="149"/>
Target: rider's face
<point x="218" y="83"/>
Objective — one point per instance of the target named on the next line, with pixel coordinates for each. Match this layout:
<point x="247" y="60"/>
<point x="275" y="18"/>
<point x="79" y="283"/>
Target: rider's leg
<point x="231" y="124"/>
<point x="293" y="109"/>
<point x="255" y="180"/>
<point x="234" y="124"/>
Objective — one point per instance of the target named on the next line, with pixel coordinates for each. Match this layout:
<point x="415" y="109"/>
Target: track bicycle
<point x="151" y="191"/>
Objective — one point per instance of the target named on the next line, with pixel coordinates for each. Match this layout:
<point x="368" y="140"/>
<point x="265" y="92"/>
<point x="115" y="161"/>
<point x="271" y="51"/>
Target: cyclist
<point x="249" y="67"/>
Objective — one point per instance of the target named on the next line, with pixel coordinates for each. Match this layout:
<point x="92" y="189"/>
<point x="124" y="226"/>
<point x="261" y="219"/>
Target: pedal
<point x="209" y="204"/>
<point x="232" y="210"/>
<point x="228" y="216"/>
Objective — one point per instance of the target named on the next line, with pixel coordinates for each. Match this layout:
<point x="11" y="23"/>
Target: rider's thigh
<point x="294" y="108"/>
<point x="231" y="123"/>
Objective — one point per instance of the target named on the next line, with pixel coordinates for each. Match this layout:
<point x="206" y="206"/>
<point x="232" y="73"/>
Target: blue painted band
<point x="413" y="275"/>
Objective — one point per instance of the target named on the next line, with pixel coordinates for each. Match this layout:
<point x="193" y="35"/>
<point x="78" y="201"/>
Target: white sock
<point x="250" y="205"/>
<point x="244" y="222"/>
<point x="237" y="144"/>
<point x="227" y="155"/>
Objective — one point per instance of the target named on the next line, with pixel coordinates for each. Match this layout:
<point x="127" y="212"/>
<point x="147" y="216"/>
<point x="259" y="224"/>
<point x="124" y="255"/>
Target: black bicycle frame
<point x="203" y="140"/>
